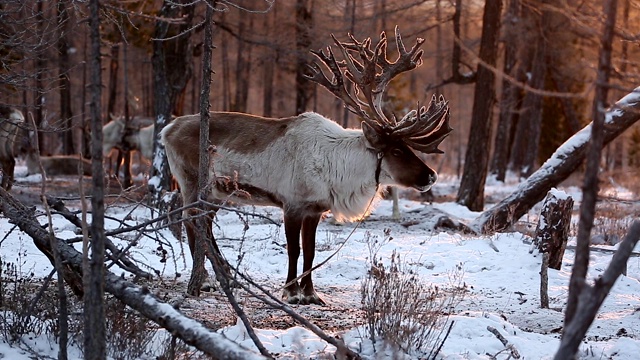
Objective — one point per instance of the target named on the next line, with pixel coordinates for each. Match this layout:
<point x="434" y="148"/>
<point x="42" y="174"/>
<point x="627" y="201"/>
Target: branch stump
<point x="552" y="231"/>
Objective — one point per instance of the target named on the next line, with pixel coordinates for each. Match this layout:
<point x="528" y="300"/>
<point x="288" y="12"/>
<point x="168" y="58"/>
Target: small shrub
<point x="25" y="308"/>
<point x="402" y="310"/>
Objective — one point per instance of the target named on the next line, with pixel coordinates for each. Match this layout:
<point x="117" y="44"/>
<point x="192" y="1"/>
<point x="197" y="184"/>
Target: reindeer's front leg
<point x="292" y="225"/>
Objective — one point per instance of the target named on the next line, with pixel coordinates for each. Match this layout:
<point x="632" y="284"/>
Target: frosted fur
<point x="318" y="161"/>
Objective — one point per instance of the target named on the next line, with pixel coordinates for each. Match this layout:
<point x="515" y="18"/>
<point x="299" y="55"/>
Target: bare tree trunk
<point x="40" y="65"/>
<point x="508" y="104"/>
<point x="529" y="125"/>
<point x="304" y="25"/>
<point x="94" y="339"/>
<point x="268" y="67"/>
<point x="127" y="182"/>
<point x="471" y="192"/>
<point x="114" y="65"/>
<point x="590" y="186"/>
<point x="86" y="134"/>
<point x="66" y="115"/>
<point x="203" y="224"/>
<point x="243" y="66"/>
<point x="562" y="163"/>
<point x="171" y="59"/>
<point x="226" y="73"/>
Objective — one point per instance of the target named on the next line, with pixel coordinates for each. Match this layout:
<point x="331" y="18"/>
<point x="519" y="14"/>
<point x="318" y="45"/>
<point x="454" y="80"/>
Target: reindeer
<point x="57" y="164"/>
<point x="10" y="121"/>
<point x="307" y="164"/>
<point x="117" y="134"/>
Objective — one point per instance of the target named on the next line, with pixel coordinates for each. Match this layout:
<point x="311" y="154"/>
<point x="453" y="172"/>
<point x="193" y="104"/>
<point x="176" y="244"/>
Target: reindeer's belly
<point x="259" y="180"/>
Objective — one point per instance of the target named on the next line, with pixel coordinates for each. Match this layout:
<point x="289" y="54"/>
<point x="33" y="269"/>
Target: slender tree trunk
<point x="268" y="67"/>
<point x="471" y="192"/>
<point x="529" y="126"/>
<point x="86" y="134"/>
<point x="226" y="73"/>
<point x="170" y="59"/>
<point x="243" y="65"/>
<point x="66" y="115"/>
<point x="114" y="65"/>
<point x="40" y="67"/>
<point x="127" y="182"/>
<point x="508" y="114"/>
<point x="94" y="318"/>
<point x="304" y="25"/>
<point x="590" y="186"/>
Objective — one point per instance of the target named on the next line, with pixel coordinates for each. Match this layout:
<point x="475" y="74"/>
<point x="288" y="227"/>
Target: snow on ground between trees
<point x="501" y="276"/>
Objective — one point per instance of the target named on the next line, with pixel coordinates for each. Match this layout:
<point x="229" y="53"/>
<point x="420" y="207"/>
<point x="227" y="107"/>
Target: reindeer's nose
<point x="433" y="178"/>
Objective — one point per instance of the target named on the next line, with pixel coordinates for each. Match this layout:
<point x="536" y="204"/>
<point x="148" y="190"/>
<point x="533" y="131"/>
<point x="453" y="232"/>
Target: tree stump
<point x="553" y="226"/>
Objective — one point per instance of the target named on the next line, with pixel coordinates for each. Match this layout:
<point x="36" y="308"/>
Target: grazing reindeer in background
<point x="57" y="164"/>
<point x="10" y="121"/>
<point x="128" y="136"/>
<point x="117" y="134"/>
<point x="308" y="164"/>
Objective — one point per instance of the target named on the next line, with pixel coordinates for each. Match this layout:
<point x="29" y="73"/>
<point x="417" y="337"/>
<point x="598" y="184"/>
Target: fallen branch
<point x="138" y="298"/>
<point x="514" y="352"/>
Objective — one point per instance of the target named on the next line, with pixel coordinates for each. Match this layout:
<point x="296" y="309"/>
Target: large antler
<point x="370" y="71"/>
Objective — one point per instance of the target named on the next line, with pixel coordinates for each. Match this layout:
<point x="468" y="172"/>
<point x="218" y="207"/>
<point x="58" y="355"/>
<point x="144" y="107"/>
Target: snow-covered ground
<point x="501" y="276"/>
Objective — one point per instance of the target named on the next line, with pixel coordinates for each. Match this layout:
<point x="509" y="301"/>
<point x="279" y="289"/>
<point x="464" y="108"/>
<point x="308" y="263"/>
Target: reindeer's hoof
<point x="295" y="295"/>
<point x="313" y="299"/>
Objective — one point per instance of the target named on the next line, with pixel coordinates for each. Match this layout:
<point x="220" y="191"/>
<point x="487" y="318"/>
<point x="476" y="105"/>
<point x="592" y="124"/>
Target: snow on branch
<point x="564" y="161"/>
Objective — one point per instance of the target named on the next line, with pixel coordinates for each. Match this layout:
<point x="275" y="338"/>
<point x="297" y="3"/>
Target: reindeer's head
<point x="395" y="142"/>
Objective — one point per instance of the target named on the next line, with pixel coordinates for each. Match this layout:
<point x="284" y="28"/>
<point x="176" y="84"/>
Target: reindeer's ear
<point x="374" y="139"/>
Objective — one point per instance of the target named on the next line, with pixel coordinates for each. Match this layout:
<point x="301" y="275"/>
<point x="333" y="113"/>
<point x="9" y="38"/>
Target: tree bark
<point x="471" y="192"/>
<point x="562" y="163"/>
<point x="94" y="313"/>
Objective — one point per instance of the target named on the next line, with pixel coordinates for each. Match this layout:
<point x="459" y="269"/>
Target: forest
<point x="527" y="97"/>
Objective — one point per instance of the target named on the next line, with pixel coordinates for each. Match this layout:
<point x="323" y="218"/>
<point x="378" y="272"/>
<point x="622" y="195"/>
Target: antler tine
<point x="336" y="86"/>
<point x="406" y="61"/>
<point x="429" y="129"/>
<point x="364" y="75"/>
<point x="422" y="122"/>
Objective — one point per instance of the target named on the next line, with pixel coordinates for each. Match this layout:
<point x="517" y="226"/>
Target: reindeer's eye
<point x="397" y="152"/>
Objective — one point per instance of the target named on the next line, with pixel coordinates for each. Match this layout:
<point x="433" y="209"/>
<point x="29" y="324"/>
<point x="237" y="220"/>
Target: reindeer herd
<point x="305" y="164"/>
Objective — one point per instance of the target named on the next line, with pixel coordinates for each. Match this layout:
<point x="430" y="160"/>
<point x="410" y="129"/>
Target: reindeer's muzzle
<point x="426" y="181"/>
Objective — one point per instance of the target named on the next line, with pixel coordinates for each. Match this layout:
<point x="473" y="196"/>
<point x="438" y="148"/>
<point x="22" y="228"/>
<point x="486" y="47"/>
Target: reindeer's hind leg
<point x="292" y="225"/>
